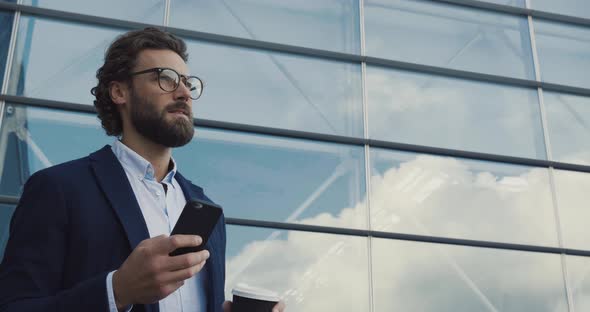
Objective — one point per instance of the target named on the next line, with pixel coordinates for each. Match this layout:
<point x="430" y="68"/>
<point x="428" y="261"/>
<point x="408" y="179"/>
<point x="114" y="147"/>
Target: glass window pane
<point x="568" y="118"/>
<point x="58" y="60"/>
<point x="563" y="52"/>
<point x="34" y="140"/>
<point x="451" y="36"/>
<point x="278" y="90"/>
<point x="5" y="216"/>
<point x="579" y="8"/>
<point x="571" y="191"/>
<point x="145" y="11"/>
<point x="452" y="113"/>
<point x="277" y="179"/>
<point x="311" y="271"/>
<point x="450" y="197"/>
<point x="5" y="31"/>
<point x="411" y="276"/>
<point x="579" y="281"/>
<point x="321" y="24"/>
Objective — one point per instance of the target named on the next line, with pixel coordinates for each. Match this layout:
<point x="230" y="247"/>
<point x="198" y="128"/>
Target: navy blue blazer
<point x="75" y="223"/>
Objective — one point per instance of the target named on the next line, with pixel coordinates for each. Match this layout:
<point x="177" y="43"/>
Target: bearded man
<point x="93" y="234"/>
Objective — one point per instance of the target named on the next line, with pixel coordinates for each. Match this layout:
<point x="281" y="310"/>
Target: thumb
<point x="227" y="306"/>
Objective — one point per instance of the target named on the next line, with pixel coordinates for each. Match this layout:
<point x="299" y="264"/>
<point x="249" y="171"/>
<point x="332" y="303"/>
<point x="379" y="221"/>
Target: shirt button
<point x="158" y="193"/>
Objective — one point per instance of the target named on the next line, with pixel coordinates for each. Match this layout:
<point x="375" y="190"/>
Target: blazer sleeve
<point x="33" y="266"/>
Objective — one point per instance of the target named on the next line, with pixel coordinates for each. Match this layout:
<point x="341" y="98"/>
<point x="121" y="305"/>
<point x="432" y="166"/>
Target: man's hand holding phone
<point x="150" y="274"/>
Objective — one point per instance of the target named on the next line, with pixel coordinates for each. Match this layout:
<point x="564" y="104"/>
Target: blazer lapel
<point x="115" y="185"/>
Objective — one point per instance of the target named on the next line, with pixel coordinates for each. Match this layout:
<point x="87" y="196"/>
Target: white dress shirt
<point x="161" y="209"/>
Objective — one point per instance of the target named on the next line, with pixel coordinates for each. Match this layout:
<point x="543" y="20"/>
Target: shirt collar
<point x="138" y="166"/>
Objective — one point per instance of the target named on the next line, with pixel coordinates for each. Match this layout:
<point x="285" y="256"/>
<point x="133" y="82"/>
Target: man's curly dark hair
<point x="120" y="58"/>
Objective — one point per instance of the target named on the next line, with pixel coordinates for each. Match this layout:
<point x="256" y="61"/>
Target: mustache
<point x="179" y="106"/>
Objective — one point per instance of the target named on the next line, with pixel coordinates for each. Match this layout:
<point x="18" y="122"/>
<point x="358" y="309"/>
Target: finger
<point x="154" y="241"/>
<point x="279" y="307"/>
<point x="182" y="275"/>
<point x="166" y="290"/>
<point x="226" y="306"/>
<point x="185" y="261"/>
<point x="178" y="241"/>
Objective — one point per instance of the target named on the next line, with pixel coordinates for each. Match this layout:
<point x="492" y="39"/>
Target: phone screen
<point x="197" y="218"/>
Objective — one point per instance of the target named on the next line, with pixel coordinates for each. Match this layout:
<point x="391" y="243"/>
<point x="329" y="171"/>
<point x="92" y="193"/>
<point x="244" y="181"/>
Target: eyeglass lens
<point x="170" y="79"/>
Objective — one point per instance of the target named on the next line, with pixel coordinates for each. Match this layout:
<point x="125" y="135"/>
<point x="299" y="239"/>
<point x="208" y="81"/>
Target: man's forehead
<point x="161" y="58"/>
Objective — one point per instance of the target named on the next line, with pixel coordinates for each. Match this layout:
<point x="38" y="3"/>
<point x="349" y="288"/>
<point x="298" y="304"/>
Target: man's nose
<point x="182" y="92"/>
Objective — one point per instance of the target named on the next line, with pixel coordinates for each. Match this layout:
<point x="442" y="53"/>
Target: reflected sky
<point x="311" y="271"/>
<point x="411" y="276"/>
<point x="321" y="24"/>
<point x="277" y="90"/>
<point x="58" y="60"/>
<point x="444" y="196"/>
<point x="145" y="11"/>
<point x="270" y="178"/>
<point x="580" y="8"/>
<point x="42" y="132"/>
<point x="571" y="189"/>
<point x="463" y="38"/>
<point x="422" y="109"/>
<point x="563" y="52"/>
<point x="568" y="118"/>
<point x="579" y="281"/>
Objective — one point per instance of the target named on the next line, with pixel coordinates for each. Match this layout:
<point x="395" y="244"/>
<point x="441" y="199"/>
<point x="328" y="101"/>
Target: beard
<point x="154" y="126"/>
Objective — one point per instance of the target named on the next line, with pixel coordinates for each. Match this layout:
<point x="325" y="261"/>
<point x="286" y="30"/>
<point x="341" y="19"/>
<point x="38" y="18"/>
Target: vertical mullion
<point x="549" y="153"/>
<point x="167" y="13"/>
<point x="367" y="154"/>
<point x="9" y="60"/>
<point x="366" y="148"/>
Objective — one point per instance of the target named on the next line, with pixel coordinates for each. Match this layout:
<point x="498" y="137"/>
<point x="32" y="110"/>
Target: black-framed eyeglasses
<point x="169" y="80"/>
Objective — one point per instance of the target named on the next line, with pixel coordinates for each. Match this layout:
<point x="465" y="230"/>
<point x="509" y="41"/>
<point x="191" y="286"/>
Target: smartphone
<point x="197" y="218"/>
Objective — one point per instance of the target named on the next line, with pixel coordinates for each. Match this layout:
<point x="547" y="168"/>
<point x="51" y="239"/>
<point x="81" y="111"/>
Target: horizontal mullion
<point x="37" y="102"/>
<point x="474" y="76"/>
<point x="328" y="138"/>
<point x="503" y="8"/>
<point x="402" y="236"/>
<point x="496" y="7"/>
<point x="310" y="52"/>
<point x="10" y="200"/>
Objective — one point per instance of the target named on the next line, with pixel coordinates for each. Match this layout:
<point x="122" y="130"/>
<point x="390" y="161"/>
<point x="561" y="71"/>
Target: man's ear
<point x="119" y="92"/>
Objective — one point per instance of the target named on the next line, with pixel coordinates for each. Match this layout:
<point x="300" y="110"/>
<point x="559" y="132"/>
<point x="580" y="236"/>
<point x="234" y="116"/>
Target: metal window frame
<point x="403" y="236"/>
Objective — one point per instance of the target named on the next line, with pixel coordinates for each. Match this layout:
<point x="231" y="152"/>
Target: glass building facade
<point x="370" y="155"/>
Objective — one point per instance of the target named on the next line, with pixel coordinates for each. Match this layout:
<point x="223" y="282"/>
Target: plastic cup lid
<point x="247" y="291"/>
